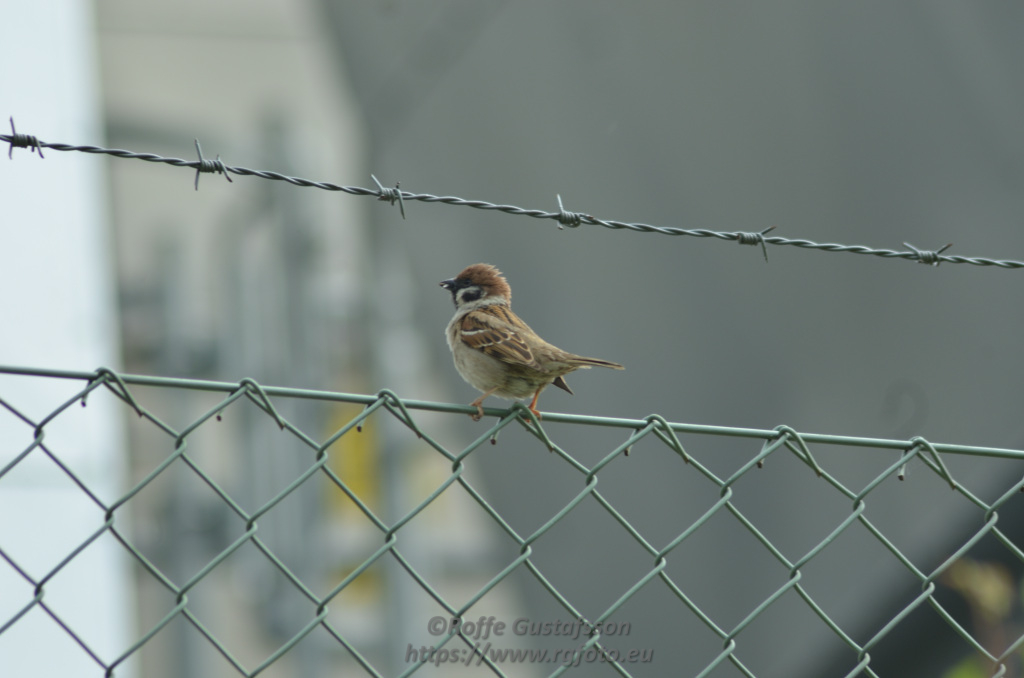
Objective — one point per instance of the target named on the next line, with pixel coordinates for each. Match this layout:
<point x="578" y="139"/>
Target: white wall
<point x="57" y="310"/>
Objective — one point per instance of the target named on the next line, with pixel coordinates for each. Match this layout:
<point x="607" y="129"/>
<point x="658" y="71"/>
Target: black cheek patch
<point x="471" y="294"/>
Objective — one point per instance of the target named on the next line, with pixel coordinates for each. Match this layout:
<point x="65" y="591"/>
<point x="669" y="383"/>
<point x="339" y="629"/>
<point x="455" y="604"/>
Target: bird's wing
<point x="499" y="333"/>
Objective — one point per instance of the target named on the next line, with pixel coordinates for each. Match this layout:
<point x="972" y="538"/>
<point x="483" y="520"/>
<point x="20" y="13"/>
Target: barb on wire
<point x="756" y="239"/>
<point x="930" y="257"/>
<point x="390" y="195"/>
<point x="571" y="219"/>
<point x="17" y="140"/>
<point x="209" y="166"/>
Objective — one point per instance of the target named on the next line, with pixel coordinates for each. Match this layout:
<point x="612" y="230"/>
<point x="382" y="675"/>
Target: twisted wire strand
<point x="564" y="218"/>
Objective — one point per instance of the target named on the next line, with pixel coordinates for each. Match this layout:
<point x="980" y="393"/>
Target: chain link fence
<point x="975" y="601"/>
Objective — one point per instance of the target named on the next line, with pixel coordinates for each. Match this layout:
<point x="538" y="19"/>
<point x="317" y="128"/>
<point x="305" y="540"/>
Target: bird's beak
<point x="448" y="284"/>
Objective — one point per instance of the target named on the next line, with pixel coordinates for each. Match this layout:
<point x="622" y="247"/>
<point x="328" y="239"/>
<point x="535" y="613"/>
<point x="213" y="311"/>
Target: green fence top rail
<point x="553" y="417"/>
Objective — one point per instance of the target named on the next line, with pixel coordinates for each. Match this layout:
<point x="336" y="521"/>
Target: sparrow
<point x="496" y="352"/>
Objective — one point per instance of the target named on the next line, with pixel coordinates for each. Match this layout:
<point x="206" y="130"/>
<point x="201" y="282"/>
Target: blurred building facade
<point x="254" y="279"/>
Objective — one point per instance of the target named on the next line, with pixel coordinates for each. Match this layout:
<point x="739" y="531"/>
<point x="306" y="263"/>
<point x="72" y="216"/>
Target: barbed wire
<point x="565" y="219"/>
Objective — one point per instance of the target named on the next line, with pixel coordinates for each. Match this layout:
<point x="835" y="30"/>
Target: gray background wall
<point x="868" y="123"/>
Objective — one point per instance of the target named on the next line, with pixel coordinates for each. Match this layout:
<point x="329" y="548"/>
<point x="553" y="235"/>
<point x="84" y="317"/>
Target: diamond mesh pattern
<point x="795" y="554"/>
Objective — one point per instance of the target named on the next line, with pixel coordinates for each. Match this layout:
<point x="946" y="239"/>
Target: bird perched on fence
<point x="496" y="352"/>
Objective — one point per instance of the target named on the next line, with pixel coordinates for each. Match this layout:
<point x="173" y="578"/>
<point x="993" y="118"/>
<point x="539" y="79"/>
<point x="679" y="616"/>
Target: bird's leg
<point x="533" y="403"/>
<point x="478" y="404"/>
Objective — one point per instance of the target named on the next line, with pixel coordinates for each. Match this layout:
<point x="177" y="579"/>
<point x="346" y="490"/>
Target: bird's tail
<point x="580" y="361"/>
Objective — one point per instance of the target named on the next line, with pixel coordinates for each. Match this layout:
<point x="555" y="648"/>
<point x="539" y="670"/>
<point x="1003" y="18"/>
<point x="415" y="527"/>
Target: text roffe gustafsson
<point x="480" y="631"/>
<point x="484" y="627"/>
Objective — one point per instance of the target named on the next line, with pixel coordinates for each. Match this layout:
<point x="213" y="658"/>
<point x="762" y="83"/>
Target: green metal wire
<point x="392" y="535"/>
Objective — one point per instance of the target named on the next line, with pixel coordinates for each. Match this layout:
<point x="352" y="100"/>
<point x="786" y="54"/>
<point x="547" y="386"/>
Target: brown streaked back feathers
<point x="494" y="333"/>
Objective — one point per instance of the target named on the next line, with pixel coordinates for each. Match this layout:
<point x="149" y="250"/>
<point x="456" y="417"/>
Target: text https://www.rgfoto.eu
<point x="481" y="652"/>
